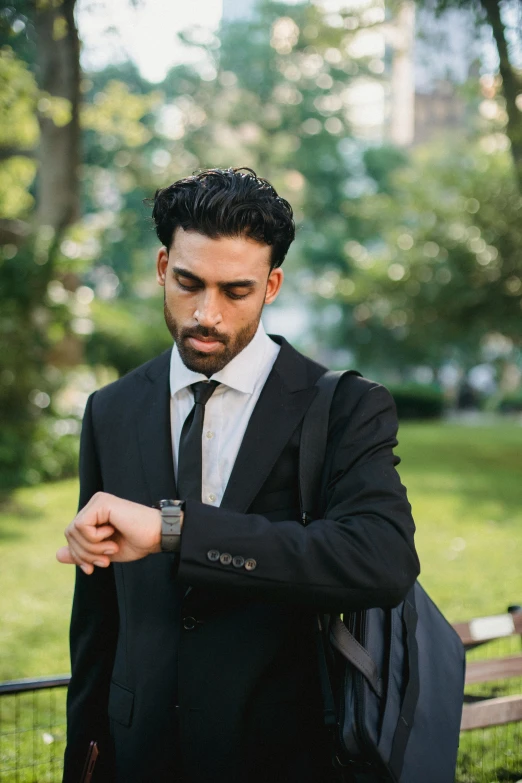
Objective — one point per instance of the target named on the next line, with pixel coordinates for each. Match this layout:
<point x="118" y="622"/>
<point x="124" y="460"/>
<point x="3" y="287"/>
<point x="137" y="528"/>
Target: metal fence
<point x="32" y="730"/>
<point x="32" y="734"/>
<point x="493" y="754"/>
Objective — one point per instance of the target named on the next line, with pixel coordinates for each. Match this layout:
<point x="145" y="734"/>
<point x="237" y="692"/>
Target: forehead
<point x="221" y="258"/>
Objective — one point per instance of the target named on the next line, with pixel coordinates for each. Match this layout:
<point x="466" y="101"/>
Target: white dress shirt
<point x="227" y="412"/>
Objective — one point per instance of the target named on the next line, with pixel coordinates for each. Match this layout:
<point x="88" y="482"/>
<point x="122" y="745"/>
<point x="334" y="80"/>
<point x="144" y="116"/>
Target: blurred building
<point x="425" y="60"/>
<point x="416" y="62"/>
<point x="446" y="51"/>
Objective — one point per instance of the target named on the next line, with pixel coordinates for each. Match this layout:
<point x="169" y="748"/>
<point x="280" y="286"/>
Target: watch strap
<point x="171" y="516"/>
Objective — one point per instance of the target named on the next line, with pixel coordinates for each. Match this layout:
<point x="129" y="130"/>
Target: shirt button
<point x="213" y="555"/>
<point x="238" y="561"/>
<point x="250" y="564"/>
<point x="210" y="435"/>
<point x="212" y="497"/>
<point x="225" y="558"/>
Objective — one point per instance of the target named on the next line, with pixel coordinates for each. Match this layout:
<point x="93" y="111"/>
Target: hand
<point x="110" y="529"/>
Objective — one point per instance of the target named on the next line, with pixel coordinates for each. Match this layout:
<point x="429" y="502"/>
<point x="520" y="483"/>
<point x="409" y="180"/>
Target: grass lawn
<point x="464" y="483"/>
<point x="35" y="590"/>
<point x="465" y="486"/>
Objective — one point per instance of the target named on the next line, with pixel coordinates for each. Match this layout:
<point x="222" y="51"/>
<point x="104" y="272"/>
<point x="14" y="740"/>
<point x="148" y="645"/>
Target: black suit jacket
<point x="183" y="659"/>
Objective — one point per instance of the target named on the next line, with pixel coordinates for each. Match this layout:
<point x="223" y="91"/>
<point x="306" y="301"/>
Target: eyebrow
<point x="178" y="270"/>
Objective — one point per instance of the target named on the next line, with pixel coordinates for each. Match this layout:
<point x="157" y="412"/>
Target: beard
<point x="205" y="363"/>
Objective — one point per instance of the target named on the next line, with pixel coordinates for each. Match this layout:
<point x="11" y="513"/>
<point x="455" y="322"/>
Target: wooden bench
<point x="484" y="712"/>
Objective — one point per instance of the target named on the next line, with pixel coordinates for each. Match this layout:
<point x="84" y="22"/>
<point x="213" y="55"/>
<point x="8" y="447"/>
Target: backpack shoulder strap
<point x="314" y="439"/>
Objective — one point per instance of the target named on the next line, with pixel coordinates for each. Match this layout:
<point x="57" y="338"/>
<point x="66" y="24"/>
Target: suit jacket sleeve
<point x="93" y="633"/>
<point x="360" y="555"/>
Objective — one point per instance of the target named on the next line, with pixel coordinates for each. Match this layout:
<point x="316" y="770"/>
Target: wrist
<point x="156" y="540"/>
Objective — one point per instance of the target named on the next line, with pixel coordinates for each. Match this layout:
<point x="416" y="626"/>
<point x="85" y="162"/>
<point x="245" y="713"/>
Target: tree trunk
<point x="58" y="73"/>
<point x="511" y="84"/>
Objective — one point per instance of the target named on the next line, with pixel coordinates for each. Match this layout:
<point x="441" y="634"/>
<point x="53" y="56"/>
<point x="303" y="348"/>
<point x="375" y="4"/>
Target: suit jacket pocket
<point x="121" y="703"/>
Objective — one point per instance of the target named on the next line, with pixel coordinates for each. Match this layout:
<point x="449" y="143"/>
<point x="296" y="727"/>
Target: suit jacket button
<point x="225" y="559"/>
<point x="213" y="555"/>
<point x="189" y="623"/>
<point x="238" y="561"/>
<point x="250" y="564"/>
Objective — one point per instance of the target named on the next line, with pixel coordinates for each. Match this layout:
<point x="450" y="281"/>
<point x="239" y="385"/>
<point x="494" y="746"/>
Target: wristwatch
<point x="171" y="523"/>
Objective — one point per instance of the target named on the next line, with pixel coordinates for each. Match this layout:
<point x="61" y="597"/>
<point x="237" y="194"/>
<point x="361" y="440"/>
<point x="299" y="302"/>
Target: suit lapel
<point x="284" y="400"/>
<point x="154" y="435"/>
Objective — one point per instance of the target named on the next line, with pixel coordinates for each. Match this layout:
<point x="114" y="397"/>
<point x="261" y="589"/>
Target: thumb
<point x="63" y="555"/>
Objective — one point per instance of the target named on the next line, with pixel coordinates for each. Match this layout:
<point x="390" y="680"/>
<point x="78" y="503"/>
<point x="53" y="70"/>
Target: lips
<point x="204" y="344"/>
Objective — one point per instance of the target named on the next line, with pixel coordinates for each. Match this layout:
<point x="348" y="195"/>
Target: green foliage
<point x="511" y="403"/>
<point x="417" y="401"/>
<point x="127" y="334"/>
<point x="438" y="264"/>
<point x="116" y="114"/>
<point x="279" y="105"/>
<point x="19" y="130"/>
<point x="381" y="163"/>
<point x="18" y="96"/>
<point x="17" y="29"/>
<point x="22" y="284"/>
<point x="38" y="344"/>
<point x="392" y="251"/>
<point x="16" y="177"/>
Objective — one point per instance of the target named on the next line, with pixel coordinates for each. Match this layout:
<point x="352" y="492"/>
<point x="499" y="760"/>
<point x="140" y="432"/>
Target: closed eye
<point x="185" y="287"/>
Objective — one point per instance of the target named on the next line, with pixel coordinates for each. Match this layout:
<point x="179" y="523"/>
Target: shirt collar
<point x="241" y="373"/>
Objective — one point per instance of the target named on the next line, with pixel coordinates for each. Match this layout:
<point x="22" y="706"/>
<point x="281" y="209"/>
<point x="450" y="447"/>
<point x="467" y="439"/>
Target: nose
<point x="208" y="313"/>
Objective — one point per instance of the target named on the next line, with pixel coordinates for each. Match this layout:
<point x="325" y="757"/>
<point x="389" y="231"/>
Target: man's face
<point x="215" y="290"/>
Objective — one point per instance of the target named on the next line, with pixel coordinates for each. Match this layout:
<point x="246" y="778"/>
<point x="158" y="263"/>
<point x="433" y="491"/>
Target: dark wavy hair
<point x="226" y="202"/>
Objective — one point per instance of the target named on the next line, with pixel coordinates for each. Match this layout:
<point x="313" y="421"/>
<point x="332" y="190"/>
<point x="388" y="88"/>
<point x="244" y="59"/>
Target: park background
<point x="395" y="131"/>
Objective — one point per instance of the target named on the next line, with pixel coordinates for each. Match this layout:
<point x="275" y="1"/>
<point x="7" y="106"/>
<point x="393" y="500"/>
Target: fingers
<point x="77" y="540"/>
<point x="96" y="554"/>
<point x="88" y="541"/>
<point x="64" y="555"/>
<point x="81" y="551"/>
<point x="109" y="528"/>
<point x="88" y="536"/>
<point x="94" y="534"/>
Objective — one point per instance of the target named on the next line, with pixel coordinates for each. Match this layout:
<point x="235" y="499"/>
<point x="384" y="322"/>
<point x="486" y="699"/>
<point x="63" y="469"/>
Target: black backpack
<point x="392" y="679"/>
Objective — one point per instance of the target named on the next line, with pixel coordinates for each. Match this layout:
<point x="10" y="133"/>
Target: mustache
<point x="204" y="331"/>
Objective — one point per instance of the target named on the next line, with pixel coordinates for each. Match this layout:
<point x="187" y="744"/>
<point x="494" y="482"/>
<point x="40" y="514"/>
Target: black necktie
<point x="189" y="456"/>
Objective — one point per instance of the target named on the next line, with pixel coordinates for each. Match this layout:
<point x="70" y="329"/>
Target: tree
<point x="508" y="40"/>
<point x="45" y="85"/>
<point x="58" y="73"/>
<point x="438" y="269"/>
<point x="49" y="39"/>
<point x="279" y="105"/>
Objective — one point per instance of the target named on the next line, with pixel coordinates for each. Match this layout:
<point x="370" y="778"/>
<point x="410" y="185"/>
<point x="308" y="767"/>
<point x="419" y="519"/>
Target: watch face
<point x="171" y="514"/>
<point x="169" y="504"/>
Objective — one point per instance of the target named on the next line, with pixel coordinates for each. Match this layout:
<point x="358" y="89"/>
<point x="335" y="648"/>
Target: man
<point x="193" y="655"/>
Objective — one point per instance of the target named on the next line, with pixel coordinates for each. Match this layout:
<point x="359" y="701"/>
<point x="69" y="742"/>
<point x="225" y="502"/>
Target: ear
<point x="275" y="281"/>
<point x="162" y="262"/>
